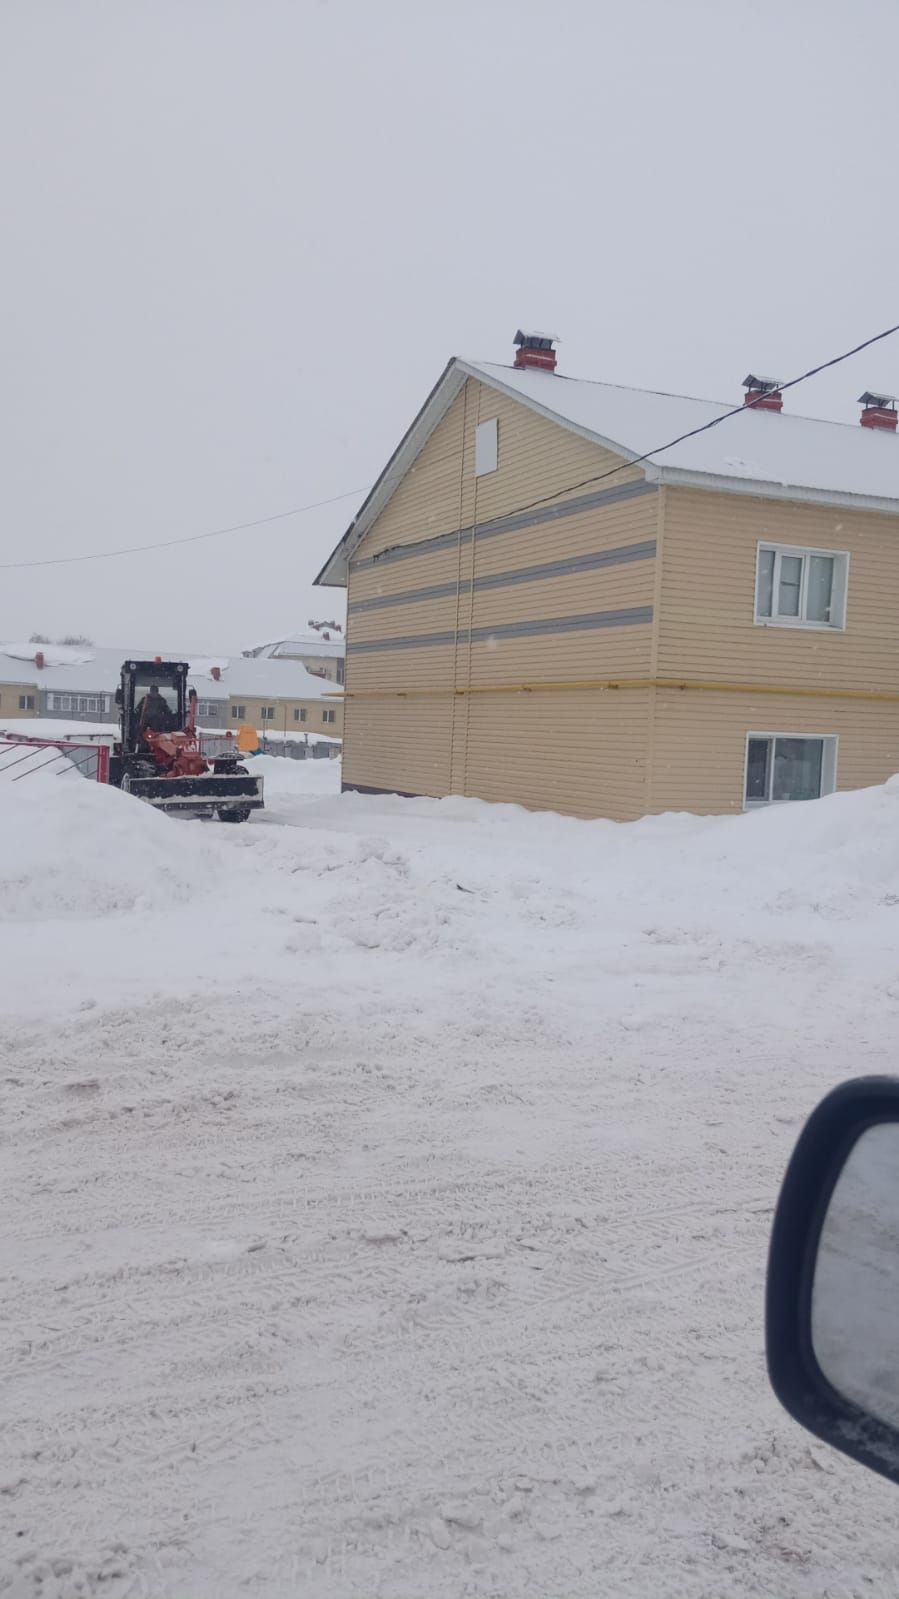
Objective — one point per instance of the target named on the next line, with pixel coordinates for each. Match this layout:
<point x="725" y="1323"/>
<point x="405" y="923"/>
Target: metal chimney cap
<point x="764" y="385"/>
<point x="540" y="340"/>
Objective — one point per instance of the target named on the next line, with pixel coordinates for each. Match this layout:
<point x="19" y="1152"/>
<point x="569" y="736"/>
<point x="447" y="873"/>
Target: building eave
<point x="757" y="488"/>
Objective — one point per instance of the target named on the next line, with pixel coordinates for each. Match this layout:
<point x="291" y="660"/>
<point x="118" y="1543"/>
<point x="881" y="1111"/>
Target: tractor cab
<point x="152" y="696"/>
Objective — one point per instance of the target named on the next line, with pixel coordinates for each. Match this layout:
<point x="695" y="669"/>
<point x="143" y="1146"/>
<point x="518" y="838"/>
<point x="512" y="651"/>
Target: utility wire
<point x="196" y="538"/>
<point x="192" y="538"/>
<point x="568" y="488"/>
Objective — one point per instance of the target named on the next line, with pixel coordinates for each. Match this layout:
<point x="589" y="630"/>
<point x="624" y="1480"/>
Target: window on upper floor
<point x="486" y="447"/>
<point x="797" y="587"/>
<point x="788" y="766"/>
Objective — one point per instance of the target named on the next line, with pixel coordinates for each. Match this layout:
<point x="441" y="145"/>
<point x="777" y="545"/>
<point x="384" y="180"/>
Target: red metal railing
<point x="19" y="757"/>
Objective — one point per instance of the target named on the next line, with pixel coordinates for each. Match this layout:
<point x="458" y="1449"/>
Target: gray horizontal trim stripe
<point x="479" y="635"/>
<point x="522" y="574"/>
<point x="536" y="517"/>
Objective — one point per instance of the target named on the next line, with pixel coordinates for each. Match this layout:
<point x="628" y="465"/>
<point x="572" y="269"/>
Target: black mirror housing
<point x="820" y="1161"/>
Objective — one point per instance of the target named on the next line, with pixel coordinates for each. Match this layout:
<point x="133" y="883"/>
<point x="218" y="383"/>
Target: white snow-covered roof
<point x="54" y="654"/>
<point x="767" y="449"/>
<point x="261" y="677"/>
<point x="774" y="454"/>
<point x="99" y="672"/>
<point x="299" y="644"/>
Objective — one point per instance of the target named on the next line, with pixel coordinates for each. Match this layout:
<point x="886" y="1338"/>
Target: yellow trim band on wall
<point x="678" y="685"/>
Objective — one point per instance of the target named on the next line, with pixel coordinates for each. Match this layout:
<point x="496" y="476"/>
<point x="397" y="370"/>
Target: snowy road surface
<point x="386" y="1189"/>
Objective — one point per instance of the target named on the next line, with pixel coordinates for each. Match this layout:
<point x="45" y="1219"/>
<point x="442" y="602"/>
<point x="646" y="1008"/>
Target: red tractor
<point x="158" y="756"/>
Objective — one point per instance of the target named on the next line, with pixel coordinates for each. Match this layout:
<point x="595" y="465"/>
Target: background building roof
<point x="96" y="670"/>
<point x="299" y="644"/>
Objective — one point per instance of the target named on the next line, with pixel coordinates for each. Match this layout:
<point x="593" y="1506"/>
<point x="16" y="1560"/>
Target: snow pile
<point x="387" y="1191"/>
<point x="80" y="849"/>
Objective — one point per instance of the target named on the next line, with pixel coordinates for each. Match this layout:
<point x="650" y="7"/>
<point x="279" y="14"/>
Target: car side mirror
<point x="832" y="1312"/>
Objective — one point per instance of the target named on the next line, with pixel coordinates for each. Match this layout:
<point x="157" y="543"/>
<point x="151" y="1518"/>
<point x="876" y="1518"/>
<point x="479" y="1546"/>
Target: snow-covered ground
<point x="387" y="1187"/>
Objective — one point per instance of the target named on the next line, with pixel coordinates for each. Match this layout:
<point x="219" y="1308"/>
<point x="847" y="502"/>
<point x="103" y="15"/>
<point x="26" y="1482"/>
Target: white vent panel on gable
<point x="486" y="447"/>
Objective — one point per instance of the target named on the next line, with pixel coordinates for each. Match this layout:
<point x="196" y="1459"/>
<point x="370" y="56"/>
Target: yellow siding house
<point x="546" y="608"/>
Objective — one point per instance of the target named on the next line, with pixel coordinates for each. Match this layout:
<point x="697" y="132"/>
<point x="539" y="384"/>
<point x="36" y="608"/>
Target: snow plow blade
<point x="208" y="793"/>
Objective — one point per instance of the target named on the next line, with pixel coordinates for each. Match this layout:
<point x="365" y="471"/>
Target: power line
<point x="192" y="538"/>
<point x="568" y="488"/>
<point x="196" y="538"/>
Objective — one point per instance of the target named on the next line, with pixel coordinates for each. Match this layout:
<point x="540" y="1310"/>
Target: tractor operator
<point x="153" y="712"/>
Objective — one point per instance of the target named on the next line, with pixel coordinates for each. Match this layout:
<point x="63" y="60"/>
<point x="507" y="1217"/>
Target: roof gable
<point x="776" y="456"/>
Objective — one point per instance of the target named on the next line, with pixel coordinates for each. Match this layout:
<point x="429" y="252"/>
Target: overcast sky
<point x="242" y="238"/>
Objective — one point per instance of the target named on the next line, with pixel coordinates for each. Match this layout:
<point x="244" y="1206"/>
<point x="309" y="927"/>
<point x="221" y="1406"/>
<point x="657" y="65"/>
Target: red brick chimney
<point x="217" y="674"/>
<point x="535" y="350"/>
<point x="39" y="660"/>
<point x="763" y="394"/>
<point x="879" y="411"/>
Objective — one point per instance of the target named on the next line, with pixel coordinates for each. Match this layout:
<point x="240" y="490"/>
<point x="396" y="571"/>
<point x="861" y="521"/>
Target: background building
<point x="322" y="650"/>
<point x="78" y="685"/>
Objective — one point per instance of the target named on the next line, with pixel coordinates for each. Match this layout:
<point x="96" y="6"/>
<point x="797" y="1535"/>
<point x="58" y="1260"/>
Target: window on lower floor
<point x="87" y="704"/>
<point x="26" y="702"/>
<point x="300" y="715"/>
<point x="788" y="766"/>
<point x="328" y="717"/>
<point x="801" y="587"/>
<point x="267" y="713"/>
<point x="238" y="713"/>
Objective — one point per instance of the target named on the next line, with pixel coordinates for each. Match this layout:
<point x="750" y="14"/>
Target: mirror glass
<point x="855" y="1293"/>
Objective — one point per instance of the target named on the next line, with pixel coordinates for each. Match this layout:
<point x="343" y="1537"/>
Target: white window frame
<point x="839" y="596"/>
<point x="329" y="717"/>
<point x="829" y="766"/>
<point x="26" y="702"/>
<point x="486" y="447"/>
<point x="84" y="704"/>
<point x="299" y="714"/>
<point x="268" y="713"/>
<point x="238" y="713"/>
